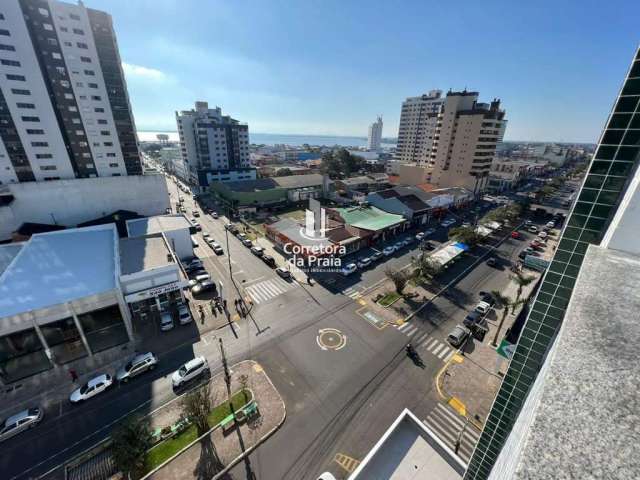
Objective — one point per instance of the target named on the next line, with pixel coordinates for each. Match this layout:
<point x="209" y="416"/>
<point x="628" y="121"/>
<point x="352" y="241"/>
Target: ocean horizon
<point x="294" y="140"/>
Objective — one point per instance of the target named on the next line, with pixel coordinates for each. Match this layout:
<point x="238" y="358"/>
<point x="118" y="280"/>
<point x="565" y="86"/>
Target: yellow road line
<point x="349" y="464"/>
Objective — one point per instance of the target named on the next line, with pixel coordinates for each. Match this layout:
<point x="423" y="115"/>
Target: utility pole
<point x="226" y="234"/>
<point x="459" y="438"/>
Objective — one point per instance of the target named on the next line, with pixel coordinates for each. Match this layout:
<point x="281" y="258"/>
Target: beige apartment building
<point x="453" y="137"/>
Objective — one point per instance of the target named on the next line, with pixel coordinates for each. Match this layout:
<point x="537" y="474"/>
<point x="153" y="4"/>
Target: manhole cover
<point x="331" y="339"/>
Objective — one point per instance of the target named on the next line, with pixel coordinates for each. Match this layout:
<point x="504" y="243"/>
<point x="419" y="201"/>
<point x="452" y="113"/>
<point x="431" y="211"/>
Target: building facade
<point x="64" y="108"/>
<point x="418" y="121"/>
<point x="211" y="142"/>
<point x="607" y="190"/>
<point x="374" y="137"/>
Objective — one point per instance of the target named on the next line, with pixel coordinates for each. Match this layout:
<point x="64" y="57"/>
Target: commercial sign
<point x="155" y="291"/>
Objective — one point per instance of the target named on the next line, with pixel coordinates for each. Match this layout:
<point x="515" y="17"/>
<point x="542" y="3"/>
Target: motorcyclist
<point x="410" y="350"/>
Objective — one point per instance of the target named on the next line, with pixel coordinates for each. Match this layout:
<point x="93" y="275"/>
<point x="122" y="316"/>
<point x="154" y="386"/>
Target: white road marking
<point x="435" y="342"/>
<point x="437" y="349"/>
<point x="444" y="351"/>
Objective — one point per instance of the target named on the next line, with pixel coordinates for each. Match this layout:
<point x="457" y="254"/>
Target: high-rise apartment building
<point x="609" y="191"/>
<point x="215" y="147"/>
<point x="454" y="137"/>
<point x="418" y="120"/>
<point x="374" y="137"/>
<point x="64" y="108"/>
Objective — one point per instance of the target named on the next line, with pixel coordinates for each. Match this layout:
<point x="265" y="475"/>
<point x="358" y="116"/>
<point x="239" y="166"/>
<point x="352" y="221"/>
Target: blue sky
<point x="329" y="67"/>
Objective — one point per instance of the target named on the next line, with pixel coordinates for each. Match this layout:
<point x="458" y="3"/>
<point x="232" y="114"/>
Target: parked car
<point x="190" y="370"/>
<point x="483" y="308"/>
<point x="92" y="388"/>
<point x="194" y="241"/>
<point x="203" y="287"/>
<point x="257" y="251"/>
<point x="198" y="272"/>
<point x="516" y="235"/>
<point x="364" y="262"/>
<point x="458" y="335"/>
<point x="487" y="298"/>
<point x="139" y="364"/>
<point x="184" y="315"/>
<point x="195" y="213"/>
<point x="543" y="235"/>
<point x="166" y="321"/>
<point x="528" y="223"/>
<point x="206" y="237"/>
<point x="471" y="319"/>
<point x="427" y="245"/>
<point x="20" y="422"/>
<point x="551" y="224"/>
<point x="408" y="241"/>
<point x="247" y="243"/>
<point x="195" y="262"/>
<point x="283" y="272"/>
<point x="529" y="250"/>
<point x="217" y="248"/>
<point x="376" y="256"/>
<point x="198" y="227"/>
<point x="348" y="269"/>
<point x="429" y="231"/>
<point x="533" y="229"/>
<point x="388" y="250"/>
<point x="241" y="236"/>
<point x="420" y="236"/>
<point x="398" y="245"/>
<point x="231" y="227"/>
<point x="269" y="260"/>
<point x="522" y="254"/>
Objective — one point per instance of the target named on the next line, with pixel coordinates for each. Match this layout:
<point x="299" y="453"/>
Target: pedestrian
<point x="74" y="375"/>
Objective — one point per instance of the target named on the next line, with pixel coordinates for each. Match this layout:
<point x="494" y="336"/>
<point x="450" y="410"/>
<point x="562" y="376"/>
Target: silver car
<point x="20" y="422"/>
<point x="138" y="364"/>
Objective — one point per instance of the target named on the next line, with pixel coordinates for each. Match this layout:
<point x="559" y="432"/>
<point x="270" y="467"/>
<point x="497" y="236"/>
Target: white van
<point x="194" y="242"/>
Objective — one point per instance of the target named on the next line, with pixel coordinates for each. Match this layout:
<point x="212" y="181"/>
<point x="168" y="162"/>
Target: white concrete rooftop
<point x="408" y="450"/>
<point x="151" y="225"/>
<point x="57" y="267"/>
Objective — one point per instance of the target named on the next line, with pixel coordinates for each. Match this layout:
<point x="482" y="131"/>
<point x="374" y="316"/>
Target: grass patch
<point x="166" y="449"/>
<point x="389" y="299"/>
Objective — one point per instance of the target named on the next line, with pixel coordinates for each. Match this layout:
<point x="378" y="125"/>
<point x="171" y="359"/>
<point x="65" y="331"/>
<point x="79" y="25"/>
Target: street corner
<point x="331" y="339"/>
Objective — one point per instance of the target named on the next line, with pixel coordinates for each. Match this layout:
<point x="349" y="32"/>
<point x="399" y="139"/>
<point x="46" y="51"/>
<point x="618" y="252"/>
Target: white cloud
<point x="143" y="72"/>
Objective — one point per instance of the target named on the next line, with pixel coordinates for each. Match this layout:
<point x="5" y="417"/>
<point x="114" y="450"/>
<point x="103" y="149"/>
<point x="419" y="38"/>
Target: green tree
<point x="502" y="302"/>
<point x="522" y="281"/>
<point x="130" y="441"/>
<point x="283" y="172"/>
<point x="330" y="165"/>
<point x="196" y="406"/>
<point x="466" y="235"/>
<point x="400" y="278"/>
<point x="426" y="267"/>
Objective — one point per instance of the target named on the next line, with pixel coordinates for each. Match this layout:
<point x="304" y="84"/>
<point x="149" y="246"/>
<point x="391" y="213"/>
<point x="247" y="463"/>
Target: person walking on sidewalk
<point x="74" y="375"/>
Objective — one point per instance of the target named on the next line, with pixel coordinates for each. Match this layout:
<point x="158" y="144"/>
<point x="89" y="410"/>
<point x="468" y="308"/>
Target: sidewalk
<point x="217" y="451"/>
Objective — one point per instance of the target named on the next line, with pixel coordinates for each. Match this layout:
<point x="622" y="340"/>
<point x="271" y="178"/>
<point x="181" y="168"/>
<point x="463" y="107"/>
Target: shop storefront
<point x="156" y="299"/>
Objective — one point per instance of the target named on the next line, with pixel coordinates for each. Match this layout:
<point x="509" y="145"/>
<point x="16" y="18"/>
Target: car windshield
<point x="128" y="366"/>
<point x="183" y="371"/>
<point x="33" y="411"/>
<point x="84" y="388"/>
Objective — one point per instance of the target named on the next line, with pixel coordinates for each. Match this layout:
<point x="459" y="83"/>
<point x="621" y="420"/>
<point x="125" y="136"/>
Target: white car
<point x="217" y="248"/>
<point x="190" y="370"/>
<point x="206" y="237"/>
<point x="542" y="235"/>
<point x="388" y="250"/>
<point x="348" y="269"/>
<point x="92" y="388"/>
<point x="184" y="315"/>
<point x="137" y="365"/>
<point x="533" y="229"/>
<point x="420" y="236"/>
<point x="283" y="272"/>
<point x="483" y="308"/>
<point x="257" y="251"/>
<point x="166" y="322"/>
<point x="20" y="422"/>
<point x="364" y="262"/>
<point x="551" y="224"/>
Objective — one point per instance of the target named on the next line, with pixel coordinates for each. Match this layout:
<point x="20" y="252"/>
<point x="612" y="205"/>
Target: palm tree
<point x="522" y="282"/>
<point x="503" y="302"/>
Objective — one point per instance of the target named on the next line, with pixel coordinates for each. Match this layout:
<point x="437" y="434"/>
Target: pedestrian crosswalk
<point x="267" y="289"/>
<point x="452" y="429"/>
<point x="352" y="292"/>
<point x="422" y="341"/>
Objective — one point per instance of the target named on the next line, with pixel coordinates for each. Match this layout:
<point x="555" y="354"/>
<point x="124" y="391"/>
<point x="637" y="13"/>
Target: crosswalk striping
<point x="432" y="345"/>
<point x="352" y="292"/>
<point x="267" y="289"/>
<point x="449" y="427"/>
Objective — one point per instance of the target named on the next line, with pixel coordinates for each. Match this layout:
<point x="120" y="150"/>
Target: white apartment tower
<point x="214" y="147"/>
<point x="64" y="108"/>
<point x="418" y="120"/>
<point x="375" y="135"/>
<point x="454" y="137"/>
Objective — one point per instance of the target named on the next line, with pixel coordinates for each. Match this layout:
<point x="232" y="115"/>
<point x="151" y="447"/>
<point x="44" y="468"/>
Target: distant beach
<point x="278" y="139"/>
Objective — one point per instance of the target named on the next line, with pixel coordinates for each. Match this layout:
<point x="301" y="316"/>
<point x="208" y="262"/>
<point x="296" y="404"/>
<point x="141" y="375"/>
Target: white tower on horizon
<point x="375" y="135"/>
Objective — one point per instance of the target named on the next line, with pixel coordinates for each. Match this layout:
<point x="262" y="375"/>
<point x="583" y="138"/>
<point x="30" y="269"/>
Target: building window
<point x="82" y="45"/>
<point x="43" y="155"/>
<point x="113" y="165"/>
<point x="78" y="31"/>
<point x="92" y="85"/>
<point x="10" y="63"/>
<point x="105" y="132"/>
<point x="108" y="144"/>
<point x="22" y="355"/>
<point x="48" y="27"/>
<point x="8" y="48"/>
<point x="98" y="110"/>
<point x="29" y="106"/>
<point x="96" y="97"/>
<point x="73" y="16"/>
<point x="39" y="144"/>
<point x="85" y="59"/>
<point x="102" y="121"/>
<point x="64" y="340"/>
<point x="56" y="55"/>
<point x="111" y="155"/>
<point x="30" y="119"/>
<point x="91" y="73"/>
<point x="36" y="131"/>
<point x="64" y="29"/>
<point x="48" y="167"/>
<point x="5" y="32"/>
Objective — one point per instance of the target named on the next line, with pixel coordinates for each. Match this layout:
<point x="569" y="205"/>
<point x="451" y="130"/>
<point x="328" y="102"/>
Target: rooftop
<point x="585" y="424"/>
<point x="369" y="218"/>
<point x="7" y="253"/>
<point x="293" y="231"/>
<point x="57" y="267"/>
<point x="158" y="224"/>
<point x="299" y="181"/>
<point x="408" y="450"/>
<point x="143" y="253"/>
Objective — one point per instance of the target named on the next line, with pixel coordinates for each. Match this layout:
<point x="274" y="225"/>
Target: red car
<point x="516" y="235"/>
